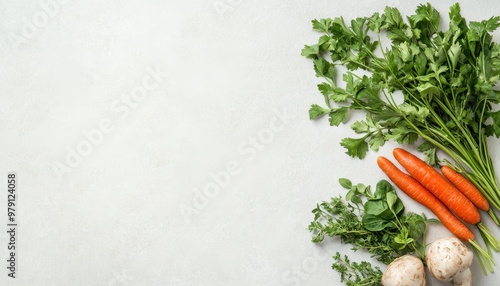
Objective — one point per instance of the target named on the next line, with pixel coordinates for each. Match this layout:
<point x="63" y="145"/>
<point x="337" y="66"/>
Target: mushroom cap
<point x="446" y="257"/>
<point x="406" y="270"/>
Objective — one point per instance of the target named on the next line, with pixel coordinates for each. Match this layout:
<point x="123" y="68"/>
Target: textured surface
<point x="168" y="142"/>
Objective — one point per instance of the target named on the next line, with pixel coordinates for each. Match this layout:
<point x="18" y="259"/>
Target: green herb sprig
<point x="357" y="274"/>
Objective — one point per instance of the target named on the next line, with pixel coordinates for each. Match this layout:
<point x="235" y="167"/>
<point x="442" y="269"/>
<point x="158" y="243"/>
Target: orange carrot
<point x="432" y="180"/>
<point x="466" y="187"/>
<point x="419" y="193"/>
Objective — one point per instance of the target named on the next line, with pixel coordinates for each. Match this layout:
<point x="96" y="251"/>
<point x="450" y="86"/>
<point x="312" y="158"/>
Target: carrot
<point x="470" y="191"/>
<point x="419" y="193"/>
<point x="466" y="187"/>
<point x="432" y="180"/>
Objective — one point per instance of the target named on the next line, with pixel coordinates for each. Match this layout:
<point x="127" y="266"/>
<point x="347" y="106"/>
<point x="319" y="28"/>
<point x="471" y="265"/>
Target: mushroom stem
<point x="463" y="278"/>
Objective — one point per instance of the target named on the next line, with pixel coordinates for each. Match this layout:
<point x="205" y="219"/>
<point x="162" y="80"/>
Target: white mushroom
<point x="463" y="278"/>
<point x="406" y="270"/>
<point x="448" y="257"/>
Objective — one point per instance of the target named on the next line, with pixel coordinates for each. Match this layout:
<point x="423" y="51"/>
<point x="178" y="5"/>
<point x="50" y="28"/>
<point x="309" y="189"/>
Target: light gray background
<point x="228" y="71"/>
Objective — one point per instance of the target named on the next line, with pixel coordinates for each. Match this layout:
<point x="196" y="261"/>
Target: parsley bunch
<point x="447" y="80"/>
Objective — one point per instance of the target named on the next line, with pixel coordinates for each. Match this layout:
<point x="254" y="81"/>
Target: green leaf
<point x="430" y="152"/>
<point x="383" y="187"/>
<point x="339" y="95"/>
<point x="386" y="208"/>
<point x="398" y="207"/>
<point x="419" y="112"/>
<point x="377" y="207"/>
<point x="438" y="70"/>
<point x="454" y="54"/>
<point x="374" y="223"/>
<point x="495" y="116"/>
<point x="323" y="68"/>
<point x="334" y="93"/>
<point x="350" y="87"/>
<point x="402" y="239"/>
<point x="322" y="25"/>
<point x="350" y="194"/>
<point x="426" y="18"/>
<point x="316" y="111"/>
<point x="310" y="52"/>
<point x="408" y="51"/>
<point x="355" y="147"/>
<point x="403" y="135"/>
<point x="416" y="225"/>
<point x="428" y="89"/>
<point x="358" y="27"/>
<point x="356" y="199"/>
<point x="393" y="19"/>
<point x="457" y="22"/>
<point x="375" y="22"/>
<point x="338" y="115"/>
<point x="391" y="199"/>
<point x="345" y="183"/>
<point x="325" y="89"/>
<point x="360" y="127"/>
<point x="420" y="64"/>
<point x="362" y="189"/>
<point x="376" y="141"/>
<point x="492" y="24"/>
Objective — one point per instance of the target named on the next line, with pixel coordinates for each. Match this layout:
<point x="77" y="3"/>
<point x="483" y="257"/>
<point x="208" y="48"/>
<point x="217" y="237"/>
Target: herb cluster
<point x="373" y="221"/>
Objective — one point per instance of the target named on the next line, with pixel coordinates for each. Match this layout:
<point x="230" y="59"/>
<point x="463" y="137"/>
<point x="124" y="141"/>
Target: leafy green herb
<point x="356" y="274"/>
<point x="426" y="83"/>
<point x="373" y="221"/>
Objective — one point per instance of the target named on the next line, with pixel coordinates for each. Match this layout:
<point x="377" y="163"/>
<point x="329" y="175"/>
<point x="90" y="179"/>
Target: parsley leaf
<point x="316" y="111"/>
<point x="338" y="115"/>
<point x="355" y="147"/>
